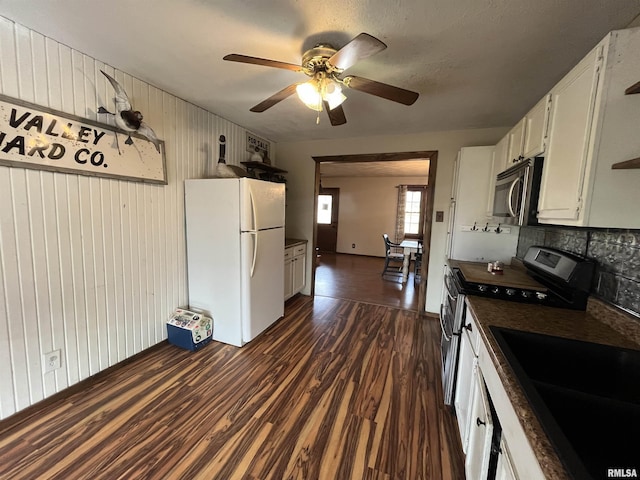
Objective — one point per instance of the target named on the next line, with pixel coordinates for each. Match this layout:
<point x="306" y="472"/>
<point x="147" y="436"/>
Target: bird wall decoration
<point x="126" y="117"/>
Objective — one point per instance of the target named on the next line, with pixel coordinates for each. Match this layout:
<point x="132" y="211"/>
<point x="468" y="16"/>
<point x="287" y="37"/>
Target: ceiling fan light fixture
<point x="334" y="96"/>
<point x="309" y="95"/>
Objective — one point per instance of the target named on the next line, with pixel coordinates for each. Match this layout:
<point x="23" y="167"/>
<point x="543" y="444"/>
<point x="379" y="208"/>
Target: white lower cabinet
<point x="472" y="404"/>
<point x="465" y="383"/>
<point x="476" y="465"/>
<point x="478" y="385"/>
<point x="295" y="270"/>
<point x="504" y="468"/>
<point x="523" y="459"/>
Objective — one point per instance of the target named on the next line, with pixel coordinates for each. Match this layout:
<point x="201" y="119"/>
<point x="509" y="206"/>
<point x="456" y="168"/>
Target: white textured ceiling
<point x="475" y="63"/>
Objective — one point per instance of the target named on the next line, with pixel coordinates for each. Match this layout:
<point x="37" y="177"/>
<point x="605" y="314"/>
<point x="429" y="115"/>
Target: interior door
<point x="327" y="216"/>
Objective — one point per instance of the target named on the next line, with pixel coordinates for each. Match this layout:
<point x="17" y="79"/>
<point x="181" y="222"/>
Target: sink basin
<point x="586" y="396"/>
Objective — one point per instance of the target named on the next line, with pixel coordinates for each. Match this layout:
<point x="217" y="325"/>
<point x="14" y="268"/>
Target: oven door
<point x="449" y="346"/>
<point x="450" y="338"/>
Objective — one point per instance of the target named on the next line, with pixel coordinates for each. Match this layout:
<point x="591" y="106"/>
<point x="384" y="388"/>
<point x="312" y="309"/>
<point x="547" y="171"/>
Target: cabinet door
<point x="516" y="143"/>
<point x="299" y="272"/>
<point x="288" y="277"/>
<point x="535" y="132"/>
<point x="504" y="468"/>
<point x="480" y="431"/>
<point x="498" y="165"/>
<point x="465" y="387"/>
<point x="572" y="107"/>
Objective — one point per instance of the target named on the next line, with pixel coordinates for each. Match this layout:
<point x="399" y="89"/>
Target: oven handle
<point x="511" y="190"/>
<point x="444" y="334"/>
<point x="447" y="285"/>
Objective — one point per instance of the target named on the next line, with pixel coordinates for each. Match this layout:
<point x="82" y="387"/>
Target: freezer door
<point x="261" y="205"/>
<point x="262" y="280"/>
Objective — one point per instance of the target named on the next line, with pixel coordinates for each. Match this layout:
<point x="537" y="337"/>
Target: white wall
<point x="296" y="157"/>
<point x="367" y="209"/>
<point x="91" y="266"/>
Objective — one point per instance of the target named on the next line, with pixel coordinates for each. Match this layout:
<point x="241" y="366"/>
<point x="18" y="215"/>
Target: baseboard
<point x="31" y="411"/>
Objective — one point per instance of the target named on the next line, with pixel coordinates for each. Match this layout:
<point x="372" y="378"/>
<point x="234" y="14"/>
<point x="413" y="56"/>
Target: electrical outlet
<point x="51" y="361"/>
<point x="353" y="245"/>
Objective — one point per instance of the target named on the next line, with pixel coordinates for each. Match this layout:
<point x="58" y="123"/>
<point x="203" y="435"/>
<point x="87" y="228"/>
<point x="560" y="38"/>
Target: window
<point x="324" y="209"/>
<point x="414" y="211"/>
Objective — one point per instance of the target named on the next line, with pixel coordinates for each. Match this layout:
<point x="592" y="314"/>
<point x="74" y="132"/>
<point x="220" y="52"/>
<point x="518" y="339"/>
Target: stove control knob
<point x="526" y="294"/>
<point x="541" y="295"/>
<point x="511" y="291"/>
<point x="482" y="288"/>
<point x="495" y="290"/>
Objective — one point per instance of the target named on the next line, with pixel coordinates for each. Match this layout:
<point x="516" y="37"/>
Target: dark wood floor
<point x="335" y="390"/>
<point x="358" y="277"/>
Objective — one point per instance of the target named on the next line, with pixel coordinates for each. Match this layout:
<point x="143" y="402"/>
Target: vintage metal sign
<point x="33" y="136"/>
<point x="254" y="142"/>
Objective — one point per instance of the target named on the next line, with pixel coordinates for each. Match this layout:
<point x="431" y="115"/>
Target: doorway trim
<point x="432" y="156"/>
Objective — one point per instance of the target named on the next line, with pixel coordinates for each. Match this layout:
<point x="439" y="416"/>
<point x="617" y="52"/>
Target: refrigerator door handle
<point x="254" y="214"/>
<point x="255" y="252"/>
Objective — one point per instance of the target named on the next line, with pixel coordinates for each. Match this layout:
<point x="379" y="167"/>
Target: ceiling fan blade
<point x="384" y="90"/>
<point x="234" y="57"/>
<point x="336" y="116"/>
<point x="275" y="98"/>
<point x="362" y="46"/>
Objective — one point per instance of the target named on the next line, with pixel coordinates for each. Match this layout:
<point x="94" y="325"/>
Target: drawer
<point x="471" y="329"/>
<point x="299" y="250"/>
<point x="288" y="253"/>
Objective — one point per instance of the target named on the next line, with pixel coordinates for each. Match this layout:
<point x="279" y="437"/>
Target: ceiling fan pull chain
<point x="318" y="118"/>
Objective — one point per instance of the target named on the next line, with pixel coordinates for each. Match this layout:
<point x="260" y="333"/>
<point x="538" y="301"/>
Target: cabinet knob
<point x="468" y="326"/>
<point x="480" y="422"/>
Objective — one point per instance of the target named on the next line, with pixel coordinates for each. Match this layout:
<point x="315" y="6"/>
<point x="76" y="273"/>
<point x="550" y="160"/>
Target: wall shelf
<point x="269" y="173"/>
<point x="634" y="163"/>
<point x="633" y="89"/>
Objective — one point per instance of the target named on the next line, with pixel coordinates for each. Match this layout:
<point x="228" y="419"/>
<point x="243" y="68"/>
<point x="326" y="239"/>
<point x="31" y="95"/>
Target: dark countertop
<point x="290" y="242"/>
<point x="601" y="323"/>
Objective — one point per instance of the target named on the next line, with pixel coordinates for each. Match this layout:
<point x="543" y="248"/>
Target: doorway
<point x="327" y="220"/>
<point x="353" y="162"/>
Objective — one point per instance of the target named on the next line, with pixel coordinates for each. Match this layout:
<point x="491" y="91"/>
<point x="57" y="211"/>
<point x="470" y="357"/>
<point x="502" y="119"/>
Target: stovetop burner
<point x="562" y="280"/>
<point x="507" y="292"/>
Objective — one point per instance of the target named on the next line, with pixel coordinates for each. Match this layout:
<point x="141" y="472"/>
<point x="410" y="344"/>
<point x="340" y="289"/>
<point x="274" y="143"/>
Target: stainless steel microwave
<point x="515" y="200"/>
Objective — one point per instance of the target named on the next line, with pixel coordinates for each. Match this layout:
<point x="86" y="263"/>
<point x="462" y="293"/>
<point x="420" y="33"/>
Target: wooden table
<point x="408" y="246"/>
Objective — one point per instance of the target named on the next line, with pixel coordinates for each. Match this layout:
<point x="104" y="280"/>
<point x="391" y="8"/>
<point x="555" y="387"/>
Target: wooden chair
<point x="417" y="264"/>
<point x="393" y="259"/>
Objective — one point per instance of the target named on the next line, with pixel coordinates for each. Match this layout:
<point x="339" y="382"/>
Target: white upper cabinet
<point x="593" y="125"/>
<point x="498" y="165"/>
<point x="516" y="143"/>
<point x="535" y="130"/>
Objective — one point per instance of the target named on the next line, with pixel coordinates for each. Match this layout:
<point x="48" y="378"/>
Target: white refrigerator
<point x="235" y="254"/>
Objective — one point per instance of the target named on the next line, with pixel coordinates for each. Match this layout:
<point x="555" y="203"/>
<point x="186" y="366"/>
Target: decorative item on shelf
<point x="126" y="117"/>
<point x="256" y="156"/>
<point x="227" y="171"/>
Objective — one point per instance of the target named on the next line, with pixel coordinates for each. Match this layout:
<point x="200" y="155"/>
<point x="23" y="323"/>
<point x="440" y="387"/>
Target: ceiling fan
<point x="325" y="65"/>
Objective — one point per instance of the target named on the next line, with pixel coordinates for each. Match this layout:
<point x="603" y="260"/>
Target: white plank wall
<point x="91" y="266"/>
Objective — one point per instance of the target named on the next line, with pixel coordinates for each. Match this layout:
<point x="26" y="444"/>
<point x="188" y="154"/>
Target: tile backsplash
<point x="616" y="252"/>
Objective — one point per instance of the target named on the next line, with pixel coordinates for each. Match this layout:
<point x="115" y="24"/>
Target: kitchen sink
<point x="586" y="396"/>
